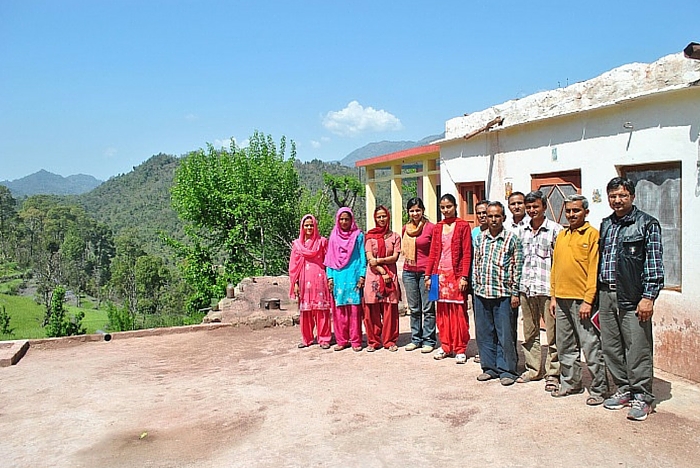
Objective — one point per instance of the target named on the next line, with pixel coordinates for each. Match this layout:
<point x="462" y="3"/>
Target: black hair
<point x="482" y="202"/>
<point x="623" y="182"/>
<point x="413" y="202"/>
<point x="514" y="194"/>
<point x="536" y="195"/>
<point x="449" y="197"/>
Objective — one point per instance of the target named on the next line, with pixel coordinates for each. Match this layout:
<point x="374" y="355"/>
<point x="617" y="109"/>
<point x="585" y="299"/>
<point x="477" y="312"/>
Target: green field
<point x="26" y="316"/>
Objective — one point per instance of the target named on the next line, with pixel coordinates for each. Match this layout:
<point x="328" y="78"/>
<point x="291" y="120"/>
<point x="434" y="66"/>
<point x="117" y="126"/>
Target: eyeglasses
<point x="621" y="196"/>
<point x="481" y="213"/>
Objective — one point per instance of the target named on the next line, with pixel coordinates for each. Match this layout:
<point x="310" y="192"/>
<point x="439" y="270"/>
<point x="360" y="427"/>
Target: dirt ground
<point x="236" y="397"/>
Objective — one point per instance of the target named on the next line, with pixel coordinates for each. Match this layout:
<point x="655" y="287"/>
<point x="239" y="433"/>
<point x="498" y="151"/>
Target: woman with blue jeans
<point x="415" y="247"/>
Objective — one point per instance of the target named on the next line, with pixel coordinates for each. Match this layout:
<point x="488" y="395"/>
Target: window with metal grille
<point x="658" y="193"/>
<point x="556" y="187"/>
<point x="556" y="194"/>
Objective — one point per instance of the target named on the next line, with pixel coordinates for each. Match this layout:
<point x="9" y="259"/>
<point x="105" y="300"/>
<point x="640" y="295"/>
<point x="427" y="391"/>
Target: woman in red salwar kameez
<point x="450" y="259"/>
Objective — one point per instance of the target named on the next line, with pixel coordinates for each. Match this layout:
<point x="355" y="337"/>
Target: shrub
<point x="119" y="318"/>
<point x="5" y="328"/>
<point x="58" y="324"/>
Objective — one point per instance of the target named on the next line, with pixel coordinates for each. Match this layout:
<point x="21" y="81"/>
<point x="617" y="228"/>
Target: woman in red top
<point x="382" y="293"/>
<point x="450" y="259"/>
<point x="415" y="248"/>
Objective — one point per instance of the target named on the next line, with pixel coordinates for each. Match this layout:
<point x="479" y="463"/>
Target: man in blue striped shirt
<point x="498" y="262"/>
<point x="630" y="277"/>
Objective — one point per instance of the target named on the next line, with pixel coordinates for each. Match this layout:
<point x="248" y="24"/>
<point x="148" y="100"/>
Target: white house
<point x="638" y="120"/>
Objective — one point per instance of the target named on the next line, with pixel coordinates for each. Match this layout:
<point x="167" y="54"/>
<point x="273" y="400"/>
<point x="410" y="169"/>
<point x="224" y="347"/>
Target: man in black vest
<point x="630" y="275"/>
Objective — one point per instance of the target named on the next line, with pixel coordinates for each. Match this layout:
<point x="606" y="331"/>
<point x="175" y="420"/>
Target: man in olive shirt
<point x="573" y="287"/>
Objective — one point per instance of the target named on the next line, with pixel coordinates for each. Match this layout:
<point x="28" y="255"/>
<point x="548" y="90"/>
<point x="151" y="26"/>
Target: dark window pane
<point x="658" y="192"/>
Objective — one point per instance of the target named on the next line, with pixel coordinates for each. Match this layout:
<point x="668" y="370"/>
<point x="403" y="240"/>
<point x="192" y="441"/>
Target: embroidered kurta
<point x="449" y="282"/>
<point x="313" y="283"/>
<point x="372" y="293"/>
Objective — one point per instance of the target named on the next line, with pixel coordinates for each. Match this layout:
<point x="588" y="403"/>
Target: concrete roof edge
<point x="620" y="84"/>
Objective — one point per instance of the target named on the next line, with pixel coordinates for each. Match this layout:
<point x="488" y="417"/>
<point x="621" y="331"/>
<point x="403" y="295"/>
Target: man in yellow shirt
<point x="573" y="288"/>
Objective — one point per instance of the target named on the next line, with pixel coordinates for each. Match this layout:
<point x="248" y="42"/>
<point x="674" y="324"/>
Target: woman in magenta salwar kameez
<point x="346" y="265"/>
<point x="309" y="283"/>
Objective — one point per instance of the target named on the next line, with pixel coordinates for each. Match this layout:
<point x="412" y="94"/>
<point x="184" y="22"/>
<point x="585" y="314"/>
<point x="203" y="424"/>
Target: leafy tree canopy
<point x="241" y="205"/>
<point x="344" y="189"/>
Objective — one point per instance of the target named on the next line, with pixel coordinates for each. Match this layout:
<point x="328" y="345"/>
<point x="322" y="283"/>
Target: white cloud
<point x="226" y="142"/>
<point x="110" y="152"/>
<point x="315" y="144"/>
<point x="191" y="117"/>
<point x="355" y="119"/>
<point x="223" y="142"/>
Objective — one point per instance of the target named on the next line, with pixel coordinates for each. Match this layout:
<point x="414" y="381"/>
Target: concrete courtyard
<point x="232" y="396"/>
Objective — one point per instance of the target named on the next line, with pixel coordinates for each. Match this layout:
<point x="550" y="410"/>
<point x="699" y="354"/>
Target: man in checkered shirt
<point x="630" y="277"/>
<point x="538" y="238"/>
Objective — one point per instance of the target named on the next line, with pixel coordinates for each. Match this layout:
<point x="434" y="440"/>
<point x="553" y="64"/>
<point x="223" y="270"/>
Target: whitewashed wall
<point x="665" y="127"/>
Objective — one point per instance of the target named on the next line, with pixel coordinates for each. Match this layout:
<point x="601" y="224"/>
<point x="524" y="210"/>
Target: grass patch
<point x="8" y="268"/>
<point x="26" y="316"/>
<point x="94" y="319"/>
<point x="11" y="287"/>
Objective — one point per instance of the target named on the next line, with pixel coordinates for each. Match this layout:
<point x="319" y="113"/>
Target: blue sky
<point x="97" y="87"/>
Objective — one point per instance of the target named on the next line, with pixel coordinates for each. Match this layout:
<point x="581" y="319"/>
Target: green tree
<point x="143" y="284"/>
<point x="123" y="271"/>
<point x="344" y="189"/>
<point x="63" y="245"/>
<point x="41" y="246"/>
<point x="319" y="205"/>
<point x="119" y="318"/>
<point x="8" y="222"/>
<point x="240" y="205"/>
<point x="198" y="270"/>
<point x="59" y="324"/>
<point x="101" y="251"/>
<point x="152" y="280"/>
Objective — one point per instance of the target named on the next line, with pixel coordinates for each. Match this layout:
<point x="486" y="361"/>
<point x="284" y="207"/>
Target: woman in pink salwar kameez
<point x="309" y="283"/>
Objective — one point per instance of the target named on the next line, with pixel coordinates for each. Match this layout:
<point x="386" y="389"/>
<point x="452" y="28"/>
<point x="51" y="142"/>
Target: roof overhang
<point x="410" y="155"/>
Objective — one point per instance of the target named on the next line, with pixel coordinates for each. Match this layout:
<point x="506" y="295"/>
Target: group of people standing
<point x="355" y="276"/>
<point x="592" y="293"/>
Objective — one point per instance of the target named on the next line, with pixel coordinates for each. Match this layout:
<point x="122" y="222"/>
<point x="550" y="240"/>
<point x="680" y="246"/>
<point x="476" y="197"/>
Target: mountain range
<point x="379" y="148"/>
<point x="47" y="183"/>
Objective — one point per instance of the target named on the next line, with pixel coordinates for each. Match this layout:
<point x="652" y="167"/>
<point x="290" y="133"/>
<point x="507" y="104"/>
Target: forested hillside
<point x="140" y="201"/>
<point x="311" y="172"/>
<point x="123" y="249"/>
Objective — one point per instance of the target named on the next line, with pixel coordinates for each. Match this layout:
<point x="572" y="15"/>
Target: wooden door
<point x="469" y="195"/>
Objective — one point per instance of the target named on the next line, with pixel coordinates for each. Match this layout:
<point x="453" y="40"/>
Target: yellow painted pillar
<point x="370" y="198"/>
<point x="396" y="198"/>
<point x="430" y="183"/>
